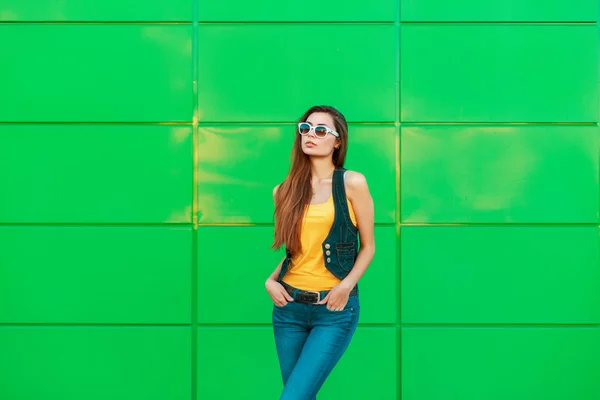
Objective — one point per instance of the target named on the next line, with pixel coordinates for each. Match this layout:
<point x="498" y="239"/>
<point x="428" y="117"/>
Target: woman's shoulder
<point x="354" y="179"/>
<point x="355" y="183"/>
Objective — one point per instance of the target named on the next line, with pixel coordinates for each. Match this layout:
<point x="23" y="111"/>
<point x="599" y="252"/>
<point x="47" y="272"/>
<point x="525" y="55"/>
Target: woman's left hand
<point x="337" y="297"/>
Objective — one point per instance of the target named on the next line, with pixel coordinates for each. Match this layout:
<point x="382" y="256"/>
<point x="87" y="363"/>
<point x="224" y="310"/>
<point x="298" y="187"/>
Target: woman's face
<point x="315" y="146"/>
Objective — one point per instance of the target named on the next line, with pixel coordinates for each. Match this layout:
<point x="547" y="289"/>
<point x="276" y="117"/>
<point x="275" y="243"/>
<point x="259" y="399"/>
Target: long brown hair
<point x="295" y="192"/>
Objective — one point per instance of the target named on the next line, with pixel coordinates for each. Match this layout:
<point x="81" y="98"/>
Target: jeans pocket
<point x="349" y="307"/>
<point x="283" y="306"/>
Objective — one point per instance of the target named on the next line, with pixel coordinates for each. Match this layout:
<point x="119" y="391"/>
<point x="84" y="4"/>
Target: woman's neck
<point x="321" y="168"/>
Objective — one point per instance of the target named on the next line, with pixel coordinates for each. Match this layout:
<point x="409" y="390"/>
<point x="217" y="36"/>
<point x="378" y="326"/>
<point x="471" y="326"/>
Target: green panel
<point x="224" y="355"/>
<point x="122" y="72"/>
<point x="501" y="275"/>
<point x="253" y="261"/>
<point x="500" y="364"/>
<point x="500" y="173"/>
<point x="95" y="363"/>
<point x="372" y="151"/>
<point x="507" y="10"/>
<point x="249" y="265"/>
<point x="95" y="173"/>
<point x="95" y="274"/>
<point x="275" y="72"/>
<point x="105" y="10"/>
<point x="499" y="72"/>
<point x="237" y="363"/>
<point x="299" y="10"/>
<point x="242" y="192"/>
<point x="378" y="286"/>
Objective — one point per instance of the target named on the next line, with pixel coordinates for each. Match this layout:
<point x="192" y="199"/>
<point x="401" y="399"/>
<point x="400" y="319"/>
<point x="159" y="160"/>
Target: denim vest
<point x="340" y="248"/>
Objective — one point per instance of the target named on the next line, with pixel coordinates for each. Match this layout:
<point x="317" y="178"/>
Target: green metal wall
<point x="140" y="142"/>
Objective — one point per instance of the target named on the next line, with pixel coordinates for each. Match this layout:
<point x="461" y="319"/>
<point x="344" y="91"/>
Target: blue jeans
<point x="310" y="340"/>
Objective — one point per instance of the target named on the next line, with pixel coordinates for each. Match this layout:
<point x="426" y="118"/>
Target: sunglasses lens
<point x="304" y="128"/>
<point x="321" y="131"/>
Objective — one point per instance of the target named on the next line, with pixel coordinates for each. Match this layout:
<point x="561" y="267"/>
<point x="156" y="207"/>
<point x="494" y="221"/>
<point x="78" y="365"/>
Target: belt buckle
<point x="317" y="293"/>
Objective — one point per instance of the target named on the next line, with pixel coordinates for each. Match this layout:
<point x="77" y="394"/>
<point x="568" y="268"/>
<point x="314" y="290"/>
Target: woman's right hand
<point x="278" y="293"/>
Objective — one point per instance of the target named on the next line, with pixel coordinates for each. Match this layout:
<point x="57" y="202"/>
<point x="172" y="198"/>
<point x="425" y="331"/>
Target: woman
<point x="321" y="209"/>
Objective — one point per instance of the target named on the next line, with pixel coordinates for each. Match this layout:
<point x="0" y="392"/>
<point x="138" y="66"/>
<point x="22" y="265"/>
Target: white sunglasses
<point x="321" y="131"/>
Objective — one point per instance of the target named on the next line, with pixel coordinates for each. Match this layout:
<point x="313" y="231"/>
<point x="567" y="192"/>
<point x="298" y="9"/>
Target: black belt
<point x="308" y="297"/>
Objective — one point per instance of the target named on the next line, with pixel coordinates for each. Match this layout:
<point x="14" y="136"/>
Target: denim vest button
<point x="327" y="245"/>
<point x="328" y="259"/>
<point x="328" y="252"/>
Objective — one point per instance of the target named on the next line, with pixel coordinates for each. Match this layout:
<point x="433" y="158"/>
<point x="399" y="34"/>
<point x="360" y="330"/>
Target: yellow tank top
<point x="307" y="269"/>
